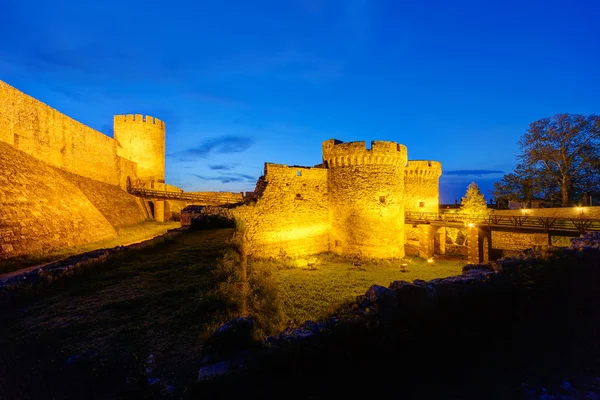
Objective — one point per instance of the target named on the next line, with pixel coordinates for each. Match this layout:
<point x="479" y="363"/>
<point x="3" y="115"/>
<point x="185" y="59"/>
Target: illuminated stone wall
<point x="117" y="206"/>
<point x="292" y="215"/>
<point x="48" y="135"/>
<point x="352" y="204"/>
<point x="421" y="186"/>
<point x="40" y="210"/>
<point x="141" y="139"/>
<point x="366" y="198"/>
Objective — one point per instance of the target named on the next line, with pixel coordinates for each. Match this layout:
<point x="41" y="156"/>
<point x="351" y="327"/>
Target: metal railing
<point x="578" y="224"/>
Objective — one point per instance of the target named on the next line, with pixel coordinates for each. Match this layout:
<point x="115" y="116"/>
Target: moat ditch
<point x="133" y="326"/>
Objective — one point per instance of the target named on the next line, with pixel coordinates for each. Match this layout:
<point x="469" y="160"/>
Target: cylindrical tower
<point x="366" y="198"/>
<point x="141" y="139"/>
<point x="421" y="186"/>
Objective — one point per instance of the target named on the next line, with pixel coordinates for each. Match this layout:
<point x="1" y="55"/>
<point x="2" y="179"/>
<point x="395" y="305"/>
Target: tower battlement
<point x="141" y="139"/>
<point x="138" y="118"/>
<point x="339" y="154"/>
<point x="424" y="168"/>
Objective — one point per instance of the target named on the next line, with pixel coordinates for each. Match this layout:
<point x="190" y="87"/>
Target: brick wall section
<point x="40" y="210"/>
<point x="421" y="185"/>
<point x="48" y="135"/>
<point x="291" y="216"/>
<point x="117" y="206"/>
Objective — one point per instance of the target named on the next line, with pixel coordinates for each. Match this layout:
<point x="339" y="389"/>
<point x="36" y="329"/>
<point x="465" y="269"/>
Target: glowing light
<point x="524" y="210"/>
<point x="430" y="260"/>
<point x="470" y="224"/>
<point x="579" y="210"/>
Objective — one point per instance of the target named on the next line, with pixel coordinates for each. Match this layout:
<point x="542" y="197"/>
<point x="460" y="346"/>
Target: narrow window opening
<point x="382" y="199"/>
<point x="337" y="243"/>
<point x="299" y="173"/>
<point x="298" y="196"/>
<point x="421" y="204"/>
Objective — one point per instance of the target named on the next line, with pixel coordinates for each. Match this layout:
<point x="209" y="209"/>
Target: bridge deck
<point x="523" y="223"/>
<point x="198" y="198"/>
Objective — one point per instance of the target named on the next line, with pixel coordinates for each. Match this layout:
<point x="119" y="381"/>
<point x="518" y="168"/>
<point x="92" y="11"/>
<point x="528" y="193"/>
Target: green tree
<point x="559" y="158"/>
<point x="473" y="201"/>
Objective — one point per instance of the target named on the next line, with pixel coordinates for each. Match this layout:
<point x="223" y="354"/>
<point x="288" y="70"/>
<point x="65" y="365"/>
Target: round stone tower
<point x="366" y="198"/>
<point x="141" y="139"/>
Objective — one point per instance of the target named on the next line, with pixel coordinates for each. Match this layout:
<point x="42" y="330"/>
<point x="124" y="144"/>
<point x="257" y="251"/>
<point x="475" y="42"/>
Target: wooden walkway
<point x="524" y="223"/>
<point x="215" y="198"/>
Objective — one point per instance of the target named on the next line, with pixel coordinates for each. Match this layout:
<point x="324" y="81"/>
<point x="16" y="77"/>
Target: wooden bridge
<point x="479" y="228"/>
<point x="205" y="198"/>
<point x="514" y="223"/>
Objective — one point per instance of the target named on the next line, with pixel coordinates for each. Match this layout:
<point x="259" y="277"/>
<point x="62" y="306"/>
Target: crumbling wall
<point x="40" y="210"/>
<point x="292" y="215"/>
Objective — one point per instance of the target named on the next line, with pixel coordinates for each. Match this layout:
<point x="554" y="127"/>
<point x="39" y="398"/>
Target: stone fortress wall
<point x="42" y="210"/>
<point x="366" y="198"/>
<point x="290" y="216"/>
<point x="421" y="186"/>
<point x="34" y="128"/>
<point x="352" y="204"/>
<point x="61" y="182"/>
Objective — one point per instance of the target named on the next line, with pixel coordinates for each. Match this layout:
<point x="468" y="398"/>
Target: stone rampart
<point x="117" y="206"/>
<point x="42" y="211"/>
<point x="50" y="136"/>
<point x="141" y="139"/>
<point x="291" y="216"/>
<point x="421" y="186"/>
<point x="366" y="198"/>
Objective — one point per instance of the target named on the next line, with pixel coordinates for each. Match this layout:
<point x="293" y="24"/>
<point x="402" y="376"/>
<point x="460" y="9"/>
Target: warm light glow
<point x="470" y="224"/>
<point x="430" y="260"/>
<point x="579" y="210"/>
<point x="524" y="210"/>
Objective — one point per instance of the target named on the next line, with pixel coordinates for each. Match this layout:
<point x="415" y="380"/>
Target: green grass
<point x="94" y="332"/>
<point x="316" y="293"/>
<point x="126" y="235"/>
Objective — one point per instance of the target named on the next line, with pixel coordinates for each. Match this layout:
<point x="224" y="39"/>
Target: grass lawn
<point x="113" y="328"/>
<point x="315" y="293"/>
<point x="126" y="235"/>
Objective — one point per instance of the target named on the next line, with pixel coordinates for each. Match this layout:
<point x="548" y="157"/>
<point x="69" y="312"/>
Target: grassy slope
<point x="313" y="294"/>
<point x="126" y="235"/>
<point x="95" y="332"/>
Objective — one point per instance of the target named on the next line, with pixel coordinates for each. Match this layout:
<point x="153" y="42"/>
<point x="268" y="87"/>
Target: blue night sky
<point x="243" y="82"/>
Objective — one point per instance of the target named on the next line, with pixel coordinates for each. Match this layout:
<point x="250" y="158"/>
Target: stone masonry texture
<point x="352" y="204"/>
<point x="41" y="210"/>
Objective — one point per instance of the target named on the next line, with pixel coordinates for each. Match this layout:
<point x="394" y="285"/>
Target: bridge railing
<point x="579" y="224"/>
<point x="206" y="198"/>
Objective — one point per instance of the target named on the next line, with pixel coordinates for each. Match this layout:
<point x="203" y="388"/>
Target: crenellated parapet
<point x="141" y="139"/>
<point x="139" y="119"/>
<point x="339" y="154"/>
<point x="423" y="168"/>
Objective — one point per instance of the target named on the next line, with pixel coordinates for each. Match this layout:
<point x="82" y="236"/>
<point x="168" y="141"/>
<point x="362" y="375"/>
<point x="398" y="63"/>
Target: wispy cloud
<point x="476" y="172"/>
<point x="221" y="167"/>
<point x="218" y="145"/>
<point x="227" y="178"/>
